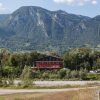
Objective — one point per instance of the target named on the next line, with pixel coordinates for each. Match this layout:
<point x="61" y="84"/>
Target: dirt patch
<point x="72" y="95"/>
<point x="82" y="94"/>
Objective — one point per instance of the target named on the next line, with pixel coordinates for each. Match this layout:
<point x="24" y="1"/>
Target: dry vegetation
<point x="83" y="94"/>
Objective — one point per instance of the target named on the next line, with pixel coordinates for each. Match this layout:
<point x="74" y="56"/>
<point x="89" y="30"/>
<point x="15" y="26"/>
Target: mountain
<point x="35" y="28"/>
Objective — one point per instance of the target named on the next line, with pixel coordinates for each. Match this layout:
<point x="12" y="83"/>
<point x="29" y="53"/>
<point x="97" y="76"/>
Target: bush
<point x="91" y="76"/>
<point x="62" y="73"/>
<point x="8" y="71"/>
<point x="1" y="84"/>
<point x="19" y="84"/>
<point x="74" y="74"/>
<point x="26" y="83"/>
<point x="83" y="74"/>
<point x="4" y="83"/>
<point x="34" y="74"/>
<point x="53" y="76"/>
<point x="11" y="81"/>
<point x="26" y="77"/>
<point x="45" y="75"/>
<point x="98" y="76"/>
<point x="68" y="73"/>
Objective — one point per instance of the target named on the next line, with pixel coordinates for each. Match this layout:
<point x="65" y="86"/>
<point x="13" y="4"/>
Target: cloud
<point x="94" y="2"/>
<point x="2" y="8"/>
<point x="76" y="2"/>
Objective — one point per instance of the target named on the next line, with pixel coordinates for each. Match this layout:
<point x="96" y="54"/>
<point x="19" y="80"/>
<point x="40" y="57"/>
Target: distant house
<point x="48" y="62"/>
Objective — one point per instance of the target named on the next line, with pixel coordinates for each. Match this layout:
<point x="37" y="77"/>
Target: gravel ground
<point x="48" y="83"/>
<point x="61" y="83"/>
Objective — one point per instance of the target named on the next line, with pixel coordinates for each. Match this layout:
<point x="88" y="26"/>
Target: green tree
<point x="26" y="77"/>
<point x="4" y="56"/>
<point x="8" y="71"/>
<point x="75" y="57"/>
<point x="85" y="65"/>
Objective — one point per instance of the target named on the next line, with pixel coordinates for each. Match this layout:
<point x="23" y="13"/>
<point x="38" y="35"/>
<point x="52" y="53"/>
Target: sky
<point x="89" y="8"/>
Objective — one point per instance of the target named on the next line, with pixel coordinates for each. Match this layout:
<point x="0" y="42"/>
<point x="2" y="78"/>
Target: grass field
<point x="82" y="94"/>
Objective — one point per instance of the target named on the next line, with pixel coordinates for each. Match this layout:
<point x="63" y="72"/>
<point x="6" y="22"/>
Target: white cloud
<point x="94" y="2"/>
<point x="76" y="2"/>
<point x="2" y="8"/>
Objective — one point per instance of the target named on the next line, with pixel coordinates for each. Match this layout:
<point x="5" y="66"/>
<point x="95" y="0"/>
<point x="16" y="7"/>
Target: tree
<point x="4" y="56"/>
<point x="26" y="77"/>
<point x="8" y="71"/>
<point x="75" y="57"/>
<point x="19" y="60"/>
<point x="85" y="65"/>
<point x="68" y="60"/>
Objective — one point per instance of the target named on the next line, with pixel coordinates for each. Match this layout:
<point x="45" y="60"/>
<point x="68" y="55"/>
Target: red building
<point x="48" y="62"/>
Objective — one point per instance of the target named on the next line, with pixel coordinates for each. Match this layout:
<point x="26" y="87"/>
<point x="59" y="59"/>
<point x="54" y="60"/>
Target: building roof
<point x="49" y="58"/>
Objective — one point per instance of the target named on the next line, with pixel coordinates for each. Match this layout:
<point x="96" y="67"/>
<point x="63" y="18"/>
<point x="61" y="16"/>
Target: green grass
<point x="52" y="87"/>
<point x="44" y="87"/>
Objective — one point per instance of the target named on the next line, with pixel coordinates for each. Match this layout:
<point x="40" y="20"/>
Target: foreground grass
<point x="48" y="87"/>
<point x="81" y="94"/>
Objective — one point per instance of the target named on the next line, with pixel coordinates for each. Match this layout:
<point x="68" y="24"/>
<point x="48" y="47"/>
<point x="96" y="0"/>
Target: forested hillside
<point x="34" y="28"/>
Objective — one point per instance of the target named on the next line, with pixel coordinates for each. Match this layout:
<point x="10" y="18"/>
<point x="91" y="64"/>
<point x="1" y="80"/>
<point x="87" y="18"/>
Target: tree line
<point x="12" y="64"/>
<point x="85" y="58"/>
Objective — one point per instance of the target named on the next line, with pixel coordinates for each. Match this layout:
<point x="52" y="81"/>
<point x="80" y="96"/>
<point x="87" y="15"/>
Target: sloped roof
<point x="48" y="58"/>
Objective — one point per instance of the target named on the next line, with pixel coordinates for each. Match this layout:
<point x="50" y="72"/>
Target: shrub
<point x="45" y="75"/>
<point x="62" y="73"/>
<point x="26" y="77"/>
<point x="11" y="81"/>
<point x="4" y="83"/>
<point x="98" y="76"/>
<point x="19" y="84"/>
<point x="74" y="74"/>
<point x="53" y="76"/>
<point x="91" y="76"/>
<point x="83" y="74"/>
<point x="1" y="84"/>
<point x="68" y="73"/>
<point x="26" y="83"/>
